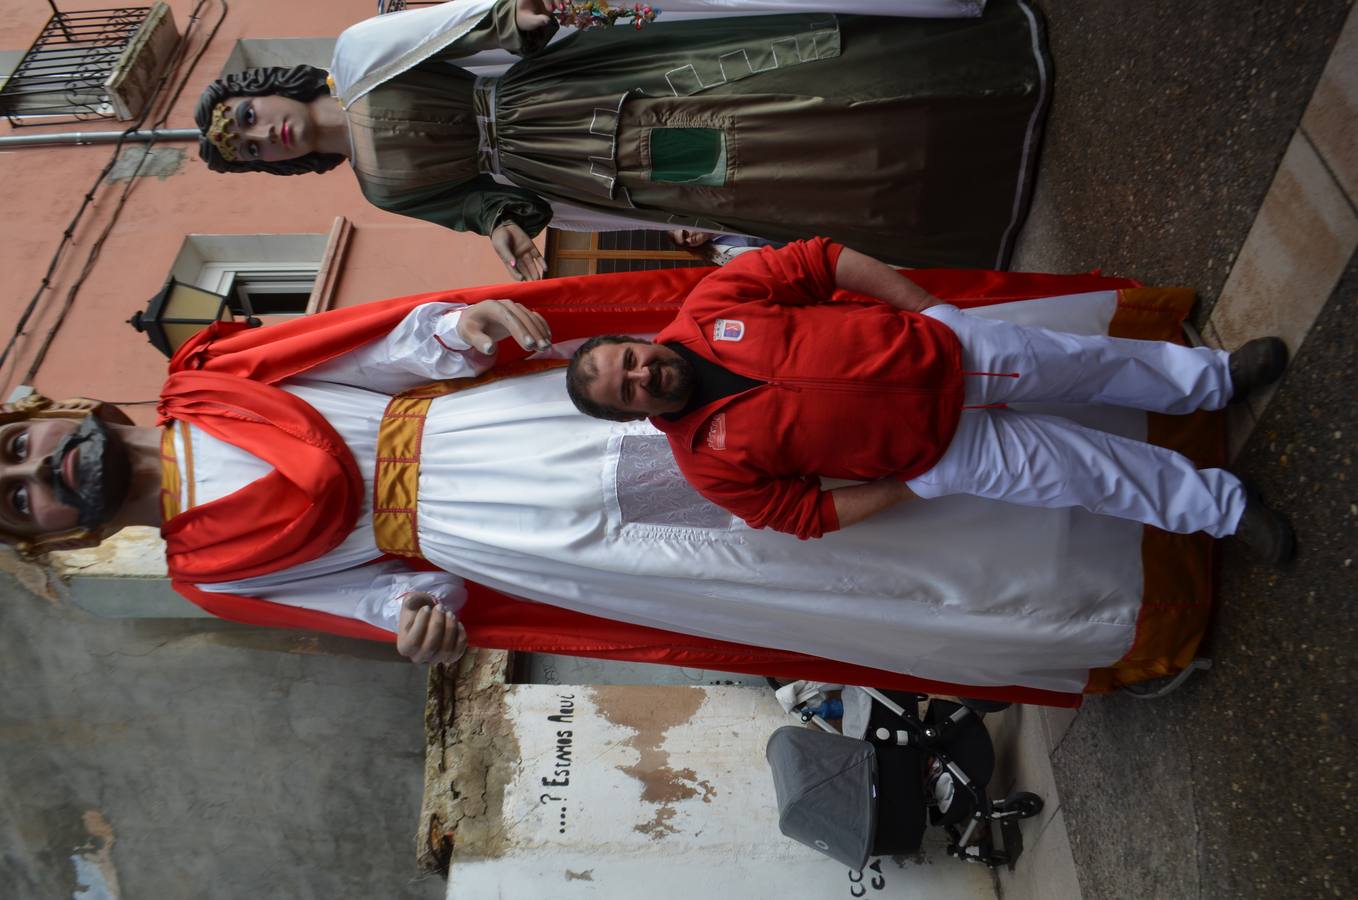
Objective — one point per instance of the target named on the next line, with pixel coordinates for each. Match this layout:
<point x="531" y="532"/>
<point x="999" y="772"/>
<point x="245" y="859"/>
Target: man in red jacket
<point x="764" y="384"/>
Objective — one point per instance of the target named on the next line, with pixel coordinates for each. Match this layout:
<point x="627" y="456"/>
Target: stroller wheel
<point x="1024" y="804"/>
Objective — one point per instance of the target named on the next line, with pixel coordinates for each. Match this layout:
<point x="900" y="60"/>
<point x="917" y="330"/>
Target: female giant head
<point x="274" y="99"/>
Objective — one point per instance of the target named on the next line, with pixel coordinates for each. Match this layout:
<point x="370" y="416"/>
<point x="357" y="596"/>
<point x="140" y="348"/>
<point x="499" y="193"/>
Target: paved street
<point x="1241" y="785"/>
<point x="1173" y="125"/>
<point x="1168" y="122"/>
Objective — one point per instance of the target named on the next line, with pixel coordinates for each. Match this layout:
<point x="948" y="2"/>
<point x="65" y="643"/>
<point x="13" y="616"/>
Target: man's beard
<point x="682" y="380"/>
<point x="103" y="474"/>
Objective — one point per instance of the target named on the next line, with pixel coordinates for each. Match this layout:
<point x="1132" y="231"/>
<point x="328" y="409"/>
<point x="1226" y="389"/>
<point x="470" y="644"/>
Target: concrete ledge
<point x="1025" y="737"/>
<point x="133" y="80"/>
<point x="1303" y="236"/>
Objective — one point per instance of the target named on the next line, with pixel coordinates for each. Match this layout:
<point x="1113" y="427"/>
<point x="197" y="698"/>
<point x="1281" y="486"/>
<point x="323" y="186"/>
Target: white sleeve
<point x="371" y="593"/>
<point x="377" y="49"/>
<point x="676" y="10"/>
<point x="424" y="347"/>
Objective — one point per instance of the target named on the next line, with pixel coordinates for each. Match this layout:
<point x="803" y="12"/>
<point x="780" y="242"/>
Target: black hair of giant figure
<point x="302" y="83"/>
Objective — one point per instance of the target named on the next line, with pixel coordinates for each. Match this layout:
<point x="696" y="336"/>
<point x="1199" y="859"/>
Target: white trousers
<point x="1049" y="461"/>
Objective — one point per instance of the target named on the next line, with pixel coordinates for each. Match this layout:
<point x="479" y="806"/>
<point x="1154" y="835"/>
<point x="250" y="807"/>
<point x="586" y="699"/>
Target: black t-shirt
<point x="713" y="382"/>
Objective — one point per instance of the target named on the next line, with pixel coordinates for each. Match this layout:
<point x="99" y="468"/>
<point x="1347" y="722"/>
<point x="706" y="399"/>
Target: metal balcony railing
<point x="391" y="6"/>
<point x="61" y="77"/>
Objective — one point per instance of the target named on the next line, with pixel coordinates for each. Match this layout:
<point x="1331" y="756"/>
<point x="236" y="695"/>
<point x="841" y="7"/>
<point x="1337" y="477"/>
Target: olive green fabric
<point x="414" y="146"/>
<point x="915" y="148"/>
<point x="558" y="114"/>
<point x="414" y="139"/>
<point x="910" y="139"/>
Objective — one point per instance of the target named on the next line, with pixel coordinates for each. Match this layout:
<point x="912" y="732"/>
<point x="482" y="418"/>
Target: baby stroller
<point x="872" y="790"/>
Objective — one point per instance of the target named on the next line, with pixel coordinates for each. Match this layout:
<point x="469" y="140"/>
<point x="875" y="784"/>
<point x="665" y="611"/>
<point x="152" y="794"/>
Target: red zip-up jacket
<point x="854" y="388"/>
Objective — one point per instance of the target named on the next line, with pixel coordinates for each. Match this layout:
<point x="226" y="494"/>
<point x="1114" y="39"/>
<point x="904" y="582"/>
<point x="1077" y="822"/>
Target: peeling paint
<point x="96" y="876"/>
<point x="662" y="786"/>
<point x="139" y="162"/>
<point x="36" y="578"/>
<point x="588" y="831"/>
<point x="136" y="551"/>
<point x="472" y="753"/>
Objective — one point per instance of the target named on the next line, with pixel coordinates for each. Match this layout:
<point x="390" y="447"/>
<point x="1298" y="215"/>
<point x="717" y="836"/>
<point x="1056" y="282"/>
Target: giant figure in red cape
<point x="313" y="474"/>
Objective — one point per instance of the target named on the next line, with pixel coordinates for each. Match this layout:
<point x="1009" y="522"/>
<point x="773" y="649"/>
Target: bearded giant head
<point x="64" y="475"/>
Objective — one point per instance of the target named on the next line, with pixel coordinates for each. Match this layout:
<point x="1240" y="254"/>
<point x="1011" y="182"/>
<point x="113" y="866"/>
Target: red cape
<point x="207" y="548"/>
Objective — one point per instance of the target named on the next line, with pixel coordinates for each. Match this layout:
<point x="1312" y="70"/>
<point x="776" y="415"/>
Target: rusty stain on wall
<point x="650" y="713"/>
<point x="659" y="826"/>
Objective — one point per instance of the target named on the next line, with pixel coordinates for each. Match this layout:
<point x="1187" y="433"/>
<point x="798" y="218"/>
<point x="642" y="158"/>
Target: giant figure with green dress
<point x="905" y="129"/>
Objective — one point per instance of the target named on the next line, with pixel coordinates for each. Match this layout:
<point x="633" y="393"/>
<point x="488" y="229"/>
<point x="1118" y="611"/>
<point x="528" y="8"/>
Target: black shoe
<point x="1257" y="363"/>
<point x="1267" y="533"/>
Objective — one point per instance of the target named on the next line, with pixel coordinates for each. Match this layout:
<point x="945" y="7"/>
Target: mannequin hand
<point x="517" y="251"/>
<point x="484" y="324"/>
<point x="428" y="633"/>
<point x="530" y="15"/>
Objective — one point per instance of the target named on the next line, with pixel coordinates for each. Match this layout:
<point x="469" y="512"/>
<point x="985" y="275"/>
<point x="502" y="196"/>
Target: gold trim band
<point x="396" y="478"/>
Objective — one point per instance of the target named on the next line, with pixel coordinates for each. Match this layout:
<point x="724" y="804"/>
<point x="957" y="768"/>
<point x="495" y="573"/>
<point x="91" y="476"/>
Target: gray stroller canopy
<point x="827" y="791"/>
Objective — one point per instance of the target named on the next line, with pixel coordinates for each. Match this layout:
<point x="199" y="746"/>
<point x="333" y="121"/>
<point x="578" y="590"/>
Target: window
<point x="262" y="288"/>
<point x="268" y="275"/>
<point x="599" y="252"/>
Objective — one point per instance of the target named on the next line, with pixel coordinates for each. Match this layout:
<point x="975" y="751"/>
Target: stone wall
<point x="197" y="758"/>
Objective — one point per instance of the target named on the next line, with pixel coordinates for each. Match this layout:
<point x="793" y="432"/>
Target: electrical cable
<point x="171" y="70"/>
<point x="97" y="247"/>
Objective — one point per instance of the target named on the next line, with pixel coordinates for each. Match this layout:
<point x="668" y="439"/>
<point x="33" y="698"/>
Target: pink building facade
<point x="312" y="240"/>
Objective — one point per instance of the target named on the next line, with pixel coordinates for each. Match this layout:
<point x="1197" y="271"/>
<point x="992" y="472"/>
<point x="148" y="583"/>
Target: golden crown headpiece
<point x="219" y="135"/>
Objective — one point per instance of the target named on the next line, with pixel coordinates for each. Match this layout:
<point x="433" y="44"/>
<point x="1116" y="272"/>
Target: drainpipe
<point x="97" y="137"/>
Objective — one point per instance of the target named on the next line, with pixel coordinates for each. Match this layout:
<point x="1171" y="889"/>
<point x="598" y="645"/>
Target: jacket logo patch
<point x="728" y="330"/>
<point x="716" y="432"/>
